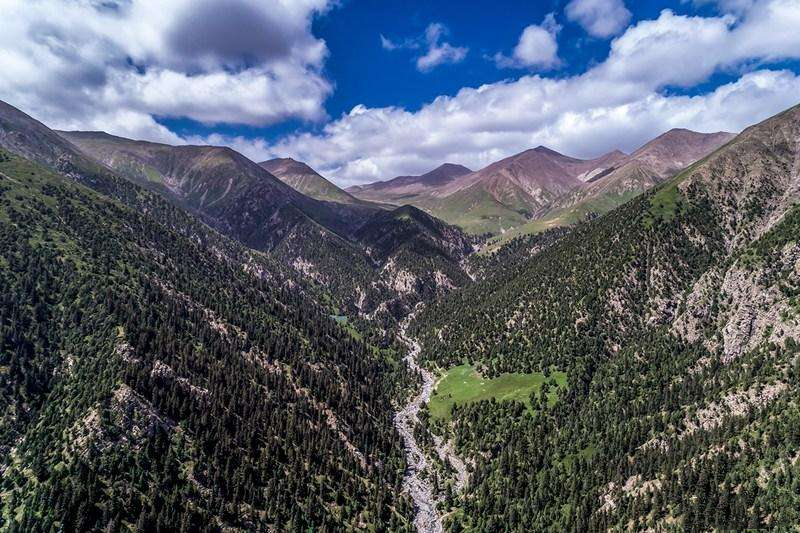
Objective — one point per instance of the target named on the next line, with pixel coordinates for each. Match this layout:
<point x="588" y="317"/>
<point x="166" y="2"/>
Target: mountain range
<point x="542" y="188"/>
<point x="190" y="340"/>
<point x="315" y="227"/>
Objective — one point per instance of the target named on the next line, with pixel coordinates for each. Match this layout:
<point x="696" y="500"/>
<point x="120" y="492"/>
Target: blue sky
<point x="365" y="73"/>
<point x="485" y="26"/>
<point x="366" y="90"/>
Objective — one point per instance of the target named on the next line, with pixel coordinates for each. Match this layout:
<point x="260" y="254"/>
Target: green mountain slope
<point x="478" y="211"/>
<point x="627" y="178"/>
<point x="308" y="181"/>
<point x="318" y="239"/>
<point x="675" y="318"/>
<point x="226" y="189"/>
<point x="152" y="378"/>
<point x="509" y="192"/>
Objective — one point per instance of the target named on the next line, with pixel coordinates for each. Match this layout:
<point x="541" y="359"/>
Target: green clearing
<point x="463" y="384"/>
<point x="530" y="228"/>
<point x="153" y="175"/>
<point x="664" y="205"/>
<point x="475" y="211"/>
<point x="585" y="453"/>
<point x="348" y="326"/>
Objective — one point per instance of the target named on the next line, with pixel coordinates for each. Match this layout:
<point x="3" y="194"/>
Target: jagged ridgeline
<point x="676" y="318"/>
<point x="156" y="375"/>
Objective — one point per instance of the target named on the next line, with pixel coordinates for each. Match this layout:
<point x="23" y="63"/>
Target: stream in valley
<point x="419" y="468"/>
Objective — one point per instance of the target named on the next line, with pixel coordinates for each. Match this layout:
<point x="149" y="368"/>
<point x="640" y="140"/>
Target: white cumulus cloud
<point x="436" y="52"/>
<point x="537" y="47"/>
<point x="116" y="64"/>
<point x="478" y="126"/>
<point x="600" y="18"/>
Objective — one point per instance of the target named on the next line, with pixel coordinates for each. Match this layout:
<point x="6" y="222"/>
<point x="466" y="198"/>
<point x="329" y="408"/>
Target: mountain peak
<point x="401" y="189"/>
<point x="444" y="173"/>
<point x="301" y="177"/>
<point x="678" y="147"/>
<point x="545" y="150"/>
<point x="450" y="167"/>
<point x="287" y="165"/>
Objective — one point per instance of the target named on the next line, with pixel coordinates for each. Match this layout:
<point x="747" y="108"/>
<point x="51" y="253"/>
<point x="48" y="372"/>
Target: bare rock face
<point x="738" y="305"/>
<point x="129" y="422"/>
<point x="757" y="312"/>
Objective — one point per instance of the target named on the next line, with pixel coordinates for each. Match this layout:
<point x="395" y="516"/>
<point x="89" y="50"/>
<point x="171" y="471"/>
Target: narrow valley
<point x="419" y="468"/>
<point x="325" y="266"/>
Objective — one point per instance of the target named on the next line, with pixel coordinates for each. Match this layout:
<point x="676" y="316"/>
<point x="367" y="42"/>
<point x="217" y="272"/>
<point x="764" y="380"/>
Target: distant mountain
<point x="541" y="188"/>
<point x="498" y="197"/>
<point x="394" y="260"/>
<point x="630" y="176"/>
<point x="404" y="189"/>
<point x="676" y="317"/>
<point x="232" y="193"/>
<point x="538" y="173"/>
<point x="510" y="191"/>
<point x="672" y="151"/>
<point x="308" y="181"/>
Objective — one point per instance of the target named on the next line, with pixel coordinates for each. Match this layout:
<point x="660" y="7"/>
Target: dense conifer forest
<point x="148" y="380"/>
<point x="675" y="318"/>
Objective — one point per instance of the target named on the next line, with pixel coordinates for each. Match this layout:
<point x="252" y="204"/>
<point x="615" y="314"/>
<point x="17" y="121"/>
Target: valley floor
<point x="420" y="470"/>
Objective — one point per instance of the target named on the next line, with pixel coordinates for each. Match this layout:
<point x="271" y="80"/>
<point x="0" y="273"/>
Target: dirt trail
<point x="416" y="481"/>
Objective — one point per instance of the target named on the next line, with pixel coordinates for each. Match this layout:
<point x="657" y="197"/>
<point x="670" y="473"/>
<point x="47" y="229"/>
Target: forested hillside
<point x="337" y="244"/>
<point x="172" y="380"/>
<point x="158" y="375"/>
<point x="676" y="320"/>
